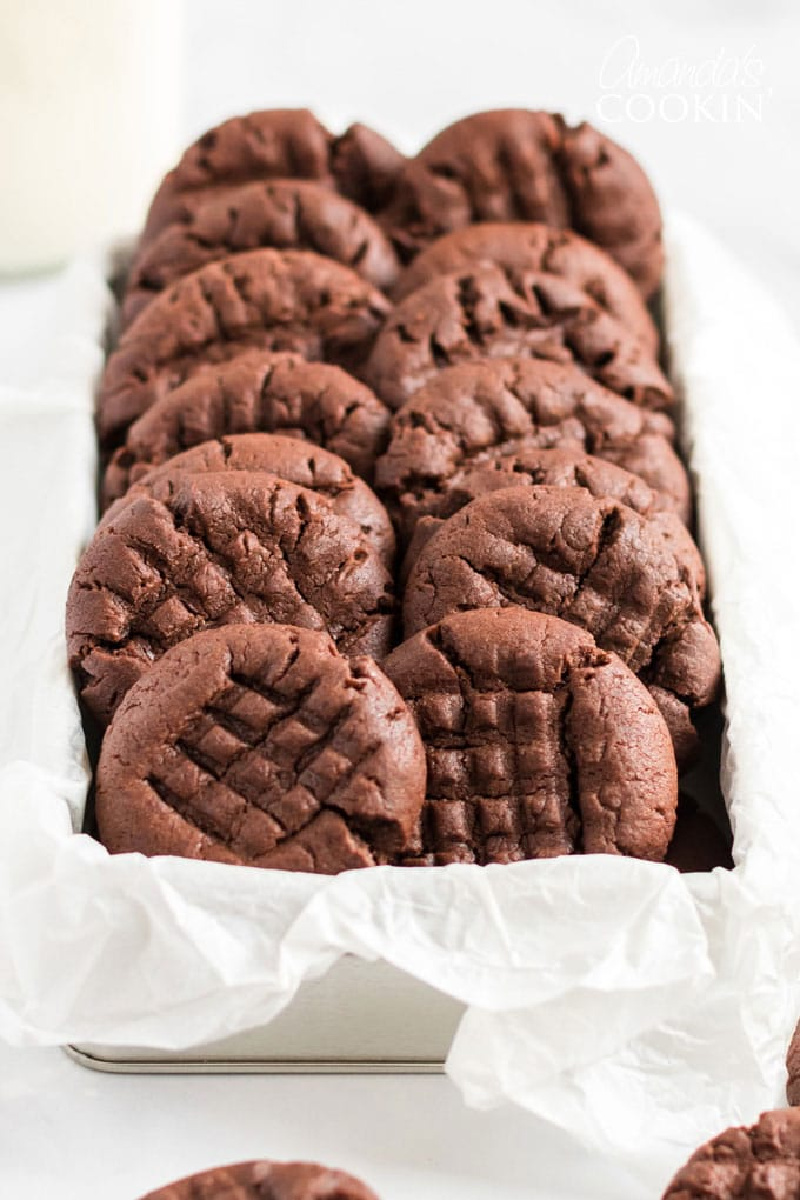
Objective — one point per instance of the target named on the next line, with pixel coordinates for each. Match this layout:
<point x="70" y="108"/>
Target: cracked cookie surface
<point x="531" y="465"/>
<point x="761" y="1162"/>
<point x="219" y="549"/>
<point x="254" y="392"/>
<point x="267" y="299"/>
<point x="277" y="144"/>
<point x="285" y="214"/>
<point x="538" y="743"/>
<point x="518" y="165"/>
<point x="522" y="246"/>
<point x="492" y="312"/>
<point x="285" y="457"/>
<point x="262" y="745"/>
<point x="595" y="563"/>
<point x="466" y="415"/>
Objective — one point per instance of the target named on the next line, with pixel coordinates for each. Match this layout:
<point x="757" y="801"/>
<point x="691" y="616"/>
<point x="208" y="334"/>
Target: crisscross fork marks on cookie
<point x="596" y="563"/>
<point x="284" y="214"/>
<point x="500" y="787"/>
<point x="520" y="246"/>
<point x="285" y="760"/>
<point x="477" y="410"/>
<point x="538" y="742"/>
<point x="220" y="548"/>
<point x="283" y="457"/>
<point x="255" y="391"/>
<point x="270" y="299"/>
<point x="491" y="312"/>
<point x="262" y="745"/>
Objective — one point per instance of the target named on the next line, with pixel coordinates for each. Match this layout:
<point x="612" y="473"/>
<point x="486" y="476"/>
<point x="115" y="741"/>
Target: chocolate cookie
<point x="612" y="203"/>
<point x="515" y="165"/>
<point x="254" y="392"/>
<point x="596" y="563"/>
<point x="685" y="738"/>
<point x="220" y="549"/>
<point x="262" y="745"/>
<point x="267" y="299"/>
<point x="538" y="743"/>
<point x="366" y="166"/>
<point x="466" y="415"/>
<point x="286" y="458"/>
<point x="266" y="1181"/>
<point x="277" y="144"/>
<point x="793" y="1068"/>
<point x="488" y="312"/>
<point x="531" y="465"/>
<point x="759" y="1163"/>
<point x="285" y="214"/>
<point x="541" y="248"/>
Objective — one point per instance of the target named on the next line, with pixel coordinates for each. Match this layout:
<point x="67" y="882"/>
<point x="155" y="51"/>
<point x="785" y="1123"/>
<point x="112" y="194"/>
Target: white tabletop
<point x="74" y="1133"/>
<point x="407" y="69"/>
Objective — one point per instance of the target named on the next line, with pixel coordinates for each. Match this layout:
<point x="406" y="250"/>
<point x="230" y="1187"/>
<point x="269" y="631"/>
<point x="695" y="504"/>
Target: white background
<point x="407" y="69"/>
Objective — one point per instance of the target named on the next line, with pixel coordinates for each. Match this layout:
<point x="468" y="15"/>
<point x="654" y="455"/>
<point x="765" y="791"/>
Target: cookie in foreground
<point x="538" y="743"/>
<point x="266" y="1181"/>
<point x="262" y="746"/>
<point x="761" y="1162"/>
<point x="793" y="1069"/>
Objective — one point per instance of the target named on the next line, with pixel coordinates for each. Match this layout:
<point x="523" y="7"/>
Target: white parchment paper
<point x="641" y="1009"/>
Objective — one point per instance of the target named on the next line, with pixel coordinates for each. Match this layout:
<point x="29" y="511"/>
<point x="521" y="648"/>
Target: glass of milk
<point x="90" y="115"/>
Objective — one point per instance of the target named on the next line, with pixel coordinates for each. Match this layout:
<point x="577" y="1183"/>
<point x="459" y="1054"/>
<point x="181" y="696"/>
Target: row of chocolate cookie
<point x="507" y="165"/>
<point x="263" y="745"/>
<point x="252" y="772"/>
<point x="267" y="298"/>
<point x="254" y="743"/>
<point x="485" y="360"/>
<point x="296" y="300"/>
<point x="235" y="315"/>
<point x="255" y="298"/>
<point x="199" y="542"/>
<point x="278" y="179"/>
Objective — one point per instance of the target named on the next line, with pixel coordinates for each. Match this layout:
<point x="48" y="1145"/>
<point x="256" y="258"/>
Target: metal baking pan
<point x="362" y="1017"/>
